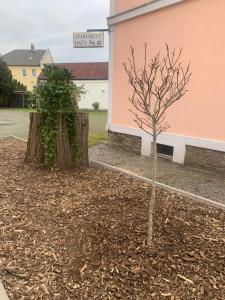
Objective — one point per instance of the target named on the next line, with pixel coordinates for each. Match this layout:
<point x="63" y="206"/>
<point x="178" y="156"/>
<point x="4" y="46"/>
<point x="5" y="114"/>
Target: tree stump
<point x="64" y="154"/>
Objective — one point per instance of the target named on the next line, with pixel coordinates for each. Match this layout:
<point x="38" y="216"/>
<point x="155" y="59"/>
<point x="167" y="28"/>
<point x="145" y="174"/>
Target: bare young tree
<point x="156" y="86"/>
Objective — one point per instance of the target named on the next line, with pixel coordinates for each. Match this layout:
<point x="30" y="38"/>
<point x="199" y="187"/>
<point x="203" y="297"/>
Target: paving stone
<point x="197" y="181"/>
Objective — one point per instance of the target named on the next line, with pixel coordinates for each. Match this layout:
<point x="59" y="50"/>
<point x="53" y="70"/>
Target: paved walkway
<point x="196" y="181"/>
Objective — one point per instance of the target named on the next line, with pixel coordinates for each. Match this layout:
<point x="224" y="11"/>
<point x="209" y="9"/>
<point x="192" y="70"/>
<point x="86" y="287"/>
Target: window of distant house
<point x="33" y="72"/>
<point x="24" y="72"/>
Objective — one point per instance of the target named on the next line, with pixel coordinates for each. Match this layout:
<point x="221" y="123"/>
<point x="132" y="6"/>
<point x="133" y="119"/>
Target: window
<point x="34" y="72"/>
<point x="24" y="72"/>
<point x="164" y="150"/>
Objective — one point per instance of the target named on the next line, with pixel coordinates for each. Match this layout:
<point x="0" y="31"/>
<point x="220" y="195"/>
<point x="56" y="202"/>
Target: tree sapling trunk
<point x="153" y="194"/>
<point x="156" y="86"/>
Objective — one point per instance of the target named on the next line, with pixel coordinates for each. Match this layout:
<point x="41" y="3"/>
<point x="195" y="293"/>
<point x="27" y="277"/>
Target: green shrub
<point x="8" y="85"/>
<point x="34" y="99"/>
<point x="55" y="96"/>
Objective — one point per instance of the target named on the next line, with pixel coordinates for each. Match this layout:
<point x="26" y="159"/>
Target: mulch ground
<point x="82" y="235"/>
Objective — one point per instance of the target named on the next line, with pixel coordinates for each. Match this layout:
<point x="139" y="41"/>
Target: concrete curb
<point x="16" y="137"/>
<point x="5" y="137"/>
<point x="3" y="295"/>
<point x="12" y="136"/>
<point x="210" y="202"/>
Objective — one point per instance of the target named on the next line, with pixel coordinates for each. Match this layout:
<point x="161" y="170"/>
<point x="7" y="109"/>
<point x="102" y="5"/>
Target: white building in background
<point x="94" y="78"/>
<point x="95" y="91"/>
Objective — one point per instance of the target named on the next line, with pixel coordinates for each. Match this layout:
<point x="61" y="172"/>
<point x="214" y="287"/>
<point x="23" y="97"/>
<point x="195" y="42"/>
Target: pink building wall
<point x="122" y="5"/>
<point x="198" y="27"/>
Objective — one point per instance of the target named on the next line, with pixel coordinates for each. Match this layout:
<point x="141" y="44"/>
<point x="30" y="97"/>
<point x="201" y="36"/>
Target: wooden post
<point x="65" y="153"/>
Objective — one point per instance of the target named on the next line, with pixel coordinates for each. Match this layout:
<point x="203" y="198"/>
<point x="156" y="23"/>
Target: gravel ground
<point x="82" y="235"/>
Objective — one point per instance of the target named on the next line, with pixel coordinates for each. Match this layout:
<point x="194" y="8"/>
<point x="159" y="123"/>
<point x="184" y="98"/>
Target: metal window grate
<point x="165" y="150"/>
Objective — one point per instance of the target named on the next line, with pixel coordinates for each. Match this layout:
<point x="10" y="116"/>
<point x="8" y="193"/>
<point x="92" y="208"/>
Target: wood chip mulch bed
<point x="82" y="235"/>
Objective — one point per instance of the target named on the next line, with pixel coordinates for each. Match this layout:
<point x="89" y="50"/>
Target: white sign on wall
<point x="88" y="39"/>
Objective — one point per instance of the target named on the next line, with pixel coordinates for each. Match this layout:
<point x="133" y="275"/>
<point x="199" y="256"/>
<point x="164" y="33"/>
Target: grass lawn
<point x="16" y="122"/>
<point x="97" y="123"/>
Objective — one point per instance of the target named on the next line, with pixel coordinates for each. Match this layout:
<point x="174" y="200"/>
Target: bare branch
<point x="157" y="85"/>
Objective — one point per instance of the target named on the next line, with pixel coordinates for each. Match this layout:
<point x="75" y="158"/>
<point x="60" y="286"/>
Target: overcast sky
<point x="50" y="24"/>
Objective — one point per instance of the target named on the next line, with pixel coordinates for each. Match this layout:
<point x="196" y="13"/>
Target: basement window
<point x="165" y="150"/>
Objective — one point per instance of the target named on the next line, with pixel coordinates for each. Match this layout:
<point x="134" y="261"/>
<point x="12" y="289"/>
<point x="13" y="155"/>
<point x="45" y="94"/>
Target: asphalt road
<point x="14" y="122"/>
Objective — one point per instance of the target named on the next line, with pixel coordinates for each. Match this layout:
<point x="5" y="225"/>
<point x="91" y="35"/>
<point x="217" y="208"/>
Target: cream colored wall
<point x="198" y="27"/>
<point x="29" y="81"/>
<point x="47" y="59"/>
<point x="96" y="90"/>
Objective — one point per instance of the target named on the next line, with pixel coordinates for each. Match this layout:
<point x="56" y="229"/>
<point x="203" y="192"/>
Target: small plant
<point x="96" y="105"/>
